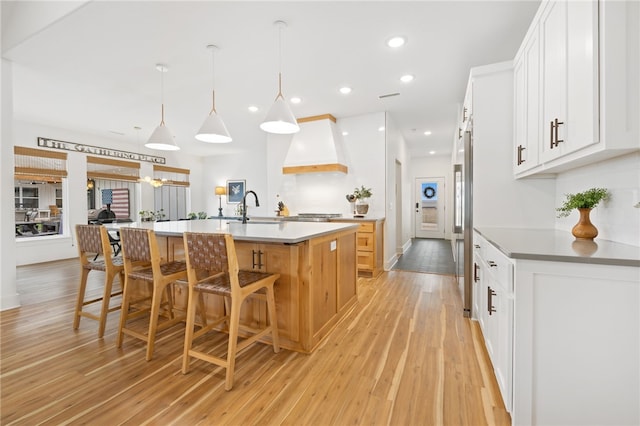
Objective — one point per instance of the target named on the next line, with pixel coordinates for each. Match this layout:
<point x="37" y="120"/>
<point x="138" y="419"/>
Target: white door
<point x="429" y="207"/>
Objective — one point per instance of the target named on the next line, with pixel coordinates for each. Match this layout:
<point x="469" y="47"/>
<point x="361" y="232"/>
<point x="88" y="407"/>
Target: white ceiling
<point x="94" y="69"/>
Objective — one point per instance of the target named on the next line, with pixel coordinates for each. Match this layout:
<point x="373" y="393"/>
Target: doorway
<point x="430" y="196"/>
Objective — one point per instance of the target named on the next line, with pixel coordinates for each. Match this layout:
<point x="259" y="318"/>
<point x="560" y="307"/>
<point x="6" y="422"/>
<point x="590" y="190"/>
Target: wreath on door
<point x="429" y="192"/>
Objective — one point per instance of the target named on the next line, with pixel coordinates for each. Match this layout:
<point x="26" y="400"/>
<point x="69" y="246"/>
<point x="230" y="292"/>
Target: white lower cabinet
<point x="576" y="344"/>
<point x="493" y="281"/>
<point x="563" y="337"/>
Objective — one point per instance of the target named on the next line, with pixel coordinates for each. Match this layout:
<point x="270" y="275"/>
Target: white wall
<point x="396" y="240"/>
<point x="616" y="219"/>
<point x="498" y="199"/>
<point x="8" y="292"/>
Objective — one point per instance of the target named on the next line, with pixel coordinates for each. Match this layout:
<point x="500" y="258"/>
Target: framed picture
<point x="235" y="191"/>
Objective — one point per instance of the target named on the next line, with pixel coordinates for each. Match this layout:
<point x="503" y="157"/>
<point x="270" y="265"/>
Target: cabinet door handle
<point x="260" y="264"/>
<point x="491" y="263"/>
<point x="464" y="114"/>
<point x="520" y="149"/>
<point x="477" y="246"/>
<point x="253" y="259"/>
<point x="551" y="135"/>
<point x="554" y="133"/>
<point x="475" y="272"/>
<point x="459" y="133"/>
<point x="490" y="308"/>
<point x="556" y="141"/>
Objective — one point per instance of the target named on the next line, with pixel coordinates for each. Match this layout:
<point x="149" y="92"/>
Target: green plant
<point x="202" y="215"/>
<point x="192" y="216"/>
<point x="362" y="192"/>
<point x="148" y="215"/>
<point x="582" y="200"/>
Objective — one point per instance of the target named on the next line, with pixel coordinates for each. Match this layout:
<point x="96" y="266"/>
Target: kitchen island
<point x="316" y="262"/>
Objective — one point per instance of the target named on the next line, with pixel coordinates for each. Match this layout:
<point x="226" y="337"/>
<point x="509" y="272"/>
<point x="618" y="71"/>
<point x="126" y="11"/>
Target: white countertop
<point x="259" y="231"/>
<point x="559" y="246"/>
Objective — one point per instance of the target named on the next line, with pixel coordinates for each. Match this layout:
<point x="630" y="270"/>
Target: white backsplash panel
<point x="616" y="219"/>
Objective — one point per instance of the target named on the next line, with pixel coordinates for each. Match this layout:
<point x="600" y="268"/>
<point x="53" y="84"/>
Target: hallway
<point x="433" y="256"/>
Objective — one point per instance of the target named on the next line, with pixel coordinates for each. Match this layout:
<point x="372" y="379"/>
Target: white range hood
<point x="317" y="147"/>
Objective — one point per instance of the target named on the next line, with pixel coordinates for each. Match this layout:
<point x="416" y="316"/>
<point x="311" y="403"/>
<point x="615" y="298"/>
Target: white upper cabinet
<point x="527" y="104"/>
<point x="572" y="94"/>
<point x="569" y="65"/>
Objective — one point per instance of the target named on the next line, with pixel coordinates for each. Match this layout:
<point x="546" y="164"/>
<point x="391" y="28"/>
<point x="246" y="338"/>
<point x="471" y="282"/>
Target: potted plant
<point x="583" y="202"/>
<point x="362" y="195"/>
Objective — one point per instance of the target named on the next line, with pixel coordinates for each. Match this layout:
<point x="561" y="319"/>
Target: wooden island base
<point x="316" y="288"/>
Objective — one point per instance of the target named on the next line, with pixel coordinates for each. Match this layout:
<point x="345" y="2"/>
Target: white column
<point x="9" y="297"/>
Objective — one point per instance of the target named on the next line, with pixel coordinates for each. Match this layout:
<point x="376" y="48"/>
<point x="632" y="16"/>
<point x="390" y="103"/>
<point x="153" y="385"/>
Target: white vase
<point x="362" y="206"/>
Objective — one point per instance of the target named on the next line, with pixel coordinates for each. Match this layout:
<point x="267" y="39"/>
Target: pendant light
<point x="161" y="138"/>
<point x="280" y="119"/>
<point x="156" y="183"/>
<point x="213" y="129"/>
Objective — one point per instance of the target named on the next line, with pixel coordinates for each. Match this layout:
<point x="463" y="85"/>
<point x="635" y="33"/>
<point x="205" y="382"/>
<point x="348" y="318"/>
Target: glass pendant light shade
<point x="161" y="138"/>
<point x="213" y="130"/>
<point x="280" y="118"/>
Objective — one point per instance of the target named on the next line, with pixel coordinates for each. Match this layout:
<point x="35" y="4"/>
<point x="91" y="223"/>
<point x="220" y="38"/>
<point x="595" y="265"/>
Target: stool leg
<point x="273" y="319"/>
<point x="156" y="299"/>
<point x="234" y="324"/>
<point x="188" y="335"/>
<point x="109" y="276"/>
<point x="80" y="299"/>
<point x="124" y="310"/>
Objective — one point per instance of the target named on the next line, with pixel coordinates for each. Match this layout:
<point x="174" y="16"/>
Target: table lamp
<point x="220" y="191"/>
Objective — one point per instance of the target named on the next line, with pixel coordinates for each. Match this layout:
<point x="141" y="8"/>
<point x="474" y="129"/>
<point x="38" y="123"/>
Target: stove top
<point x="317" y="217"/>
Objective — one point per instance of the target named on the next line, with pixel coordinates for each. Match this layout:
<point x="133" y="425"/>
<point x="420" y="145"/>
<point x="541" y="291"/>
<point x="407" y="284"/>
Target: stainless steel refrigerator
<point x="462" y="218"/>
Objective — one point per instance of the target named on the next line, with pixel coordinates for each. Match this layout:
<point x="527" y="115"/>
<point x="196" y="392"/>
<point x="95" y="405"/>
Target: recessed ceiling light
<point x="381" y="129"/>
<point x="345" y="90"/>
<point x="253" y="108"/>
<point x="407" y="78"/>
<point x="432" y="152"/>
<point x="345" y="133"/>
<point x="296" y="100"/>
<point x="427" y="133"/>
<point x="396" y="41"/>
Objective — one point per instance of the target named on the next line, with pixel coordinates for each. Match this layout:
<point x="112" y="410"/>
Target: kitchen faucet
<point x="244" y="204"/>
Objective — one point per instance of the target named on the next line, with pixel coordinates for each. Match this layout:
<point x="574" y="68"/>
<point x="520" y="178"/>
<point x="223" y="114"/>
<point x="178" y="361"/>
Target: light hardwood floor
<point x="404" y="356"/>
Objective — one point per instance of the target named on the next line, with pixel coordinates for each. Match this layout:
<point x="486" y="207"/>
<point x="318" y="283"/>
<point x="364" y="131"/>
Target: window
<point x="38" y="191"/>
<point x="26" y="197"/>
<point x="173" y="196"/>
<point x="59" y="198"/>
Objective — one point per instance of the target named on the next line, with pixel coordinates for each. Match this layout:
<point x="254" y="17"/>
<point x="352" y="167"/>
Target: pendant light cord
<point x="280" y="61"/>
<point x="162" y="95"/>
<point x="213" y="82"/>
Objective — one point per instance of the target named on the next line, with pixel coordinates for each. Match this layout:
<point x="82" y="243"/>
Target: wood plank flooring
<point x="403" y="356"/>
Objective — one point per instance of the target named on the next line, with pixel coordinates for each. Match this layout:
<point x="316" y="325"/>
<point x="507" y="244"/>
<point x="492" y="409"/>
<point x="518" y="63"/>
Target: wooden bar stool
<point x="142" y="262"/>
<point x="212" y="267"/>
<point x="94" y="239"/>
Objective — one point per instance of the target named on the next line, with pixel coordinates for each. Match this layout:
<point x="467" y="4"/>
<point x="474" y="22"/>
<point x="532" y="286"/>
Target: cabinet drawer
<point x="366" y="227"/>
<point x="365" y="242"/>
<point x="365" y="260"/>
<point x="499" y="266"/>
<point x="479" y="245"/>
